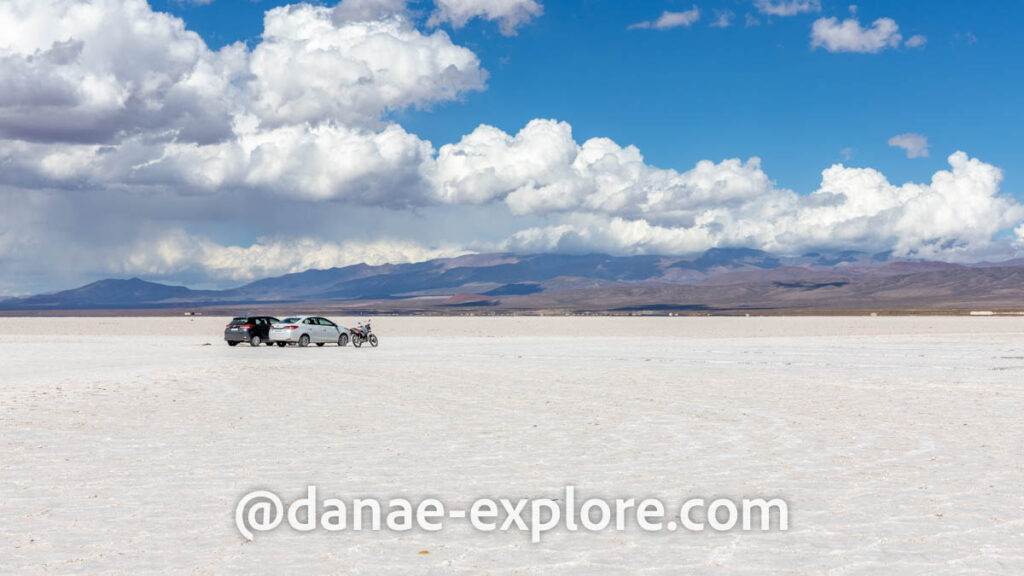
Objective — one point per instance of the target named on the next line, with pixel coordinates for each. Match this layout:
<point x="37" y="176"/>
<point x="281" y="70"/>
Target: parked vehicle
<point x="363" y="333"/>
<point x="306" y="330"/>
<point x="252" y="329"/>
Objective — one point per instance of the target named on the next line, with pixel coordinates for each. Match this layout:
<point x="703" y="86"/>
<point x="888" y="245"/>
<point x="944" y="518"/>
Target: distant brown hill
<point x="720" y="280"/>
<point x="946" y="289"/>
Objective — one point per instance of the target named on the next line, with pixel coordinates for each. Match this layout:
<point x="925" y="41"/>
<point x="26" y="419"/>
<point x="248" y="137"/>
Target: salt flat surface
<point x="126" y="443"/>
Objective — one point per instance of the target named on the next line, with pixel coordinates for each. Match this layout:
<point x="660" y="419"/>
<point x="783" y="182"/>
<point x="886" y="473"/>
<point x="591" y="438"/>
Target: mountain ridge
<point x="723" y="278"/>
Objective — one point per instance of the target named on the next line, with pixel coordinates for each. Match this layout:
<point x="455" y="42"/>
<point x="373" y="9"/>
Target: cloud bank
<point x="609" y="199"/>
<point x="177" y="252"/>
<point x="129" y="146"/>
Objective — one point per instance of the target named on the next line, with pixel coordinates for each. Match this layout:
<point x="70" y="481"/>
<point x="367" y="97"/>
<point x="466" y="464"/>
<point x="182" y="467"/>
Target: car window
<point x="237" y="321"/>
<point x="308" y="321"/>
<point x="291" y="320"/>
<point x="325" y="322"/>
<point x="271" y="320"/>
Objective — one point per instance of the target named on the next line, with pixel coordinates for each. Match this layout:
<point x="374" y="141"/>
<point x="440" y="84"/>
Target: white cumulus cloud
<point x="93" y="70"/>
<point x="916" y="41"/>
<point x="367" y="10"/>
<point x="608" y="198"/>
<point x="723" y="18"/>
<point x="510" y="14"/>
<point x="489" y="164"/>
<point x="850" y="36"/>
<point x="329" y="161"/>
<point x="915" y="145"/>
<point x="542" y="169"/>
<point x="669" y="20"/>
<point x="787" y="7"/>
<point x="309" y="68"/>
<point x="300" y="115"/>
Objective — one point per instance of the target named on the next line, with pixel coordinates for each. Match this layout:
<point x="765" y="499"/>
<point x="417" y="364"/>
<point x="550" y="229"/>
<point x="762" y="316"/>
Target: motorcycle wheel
<point x="357" y="341"/>
<point x="373" y="340"/>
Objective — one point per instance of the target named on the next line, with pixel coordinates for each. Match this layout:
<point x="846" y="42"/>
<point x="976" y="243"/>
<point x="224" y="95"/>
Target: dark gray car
<point x="252" y="329"/>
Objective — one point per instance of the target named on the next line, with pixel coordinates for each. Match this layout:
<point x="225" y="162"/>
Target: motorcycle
<point x="363" y="334"/>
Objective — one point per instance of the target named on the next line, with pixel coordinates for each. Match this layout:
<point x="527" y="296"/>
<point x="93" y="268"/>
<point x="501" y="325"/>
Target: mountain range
<point x="719" y="280"/>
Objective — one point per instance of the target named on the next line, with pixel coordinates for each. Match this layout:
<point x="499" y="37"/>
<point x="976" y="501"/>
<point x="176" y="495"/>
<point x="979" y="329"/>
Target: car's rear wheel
<point x="282" y="344"/>
<point x="304" y="340"/>
<point x="255" y="341"/>
<point x="343" y="340"/>
<point x="230" y="343"/>
<point x="319" y="343"/>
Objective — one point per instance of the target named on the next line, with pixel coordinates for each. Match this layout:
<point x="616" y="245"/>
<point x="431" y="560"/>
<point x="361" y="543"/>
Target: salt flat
<point x="126" y="443"/>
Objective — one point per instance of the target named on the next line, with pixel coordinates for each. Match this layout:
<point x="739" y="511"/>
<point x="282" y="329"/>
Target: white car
<point x="306" y="330"/>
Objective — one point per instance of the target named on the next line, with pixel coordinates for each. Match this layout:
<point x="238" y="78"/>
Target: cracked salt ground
<point x="896" y="441"/>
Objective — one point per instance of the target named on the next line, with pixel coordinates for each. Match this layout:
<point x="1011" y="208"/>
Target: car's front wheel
<point x="304" y="340"/>
<point x="230" y="343"/>
<point x="343" y="340"/>
<point x="255" y="341"/>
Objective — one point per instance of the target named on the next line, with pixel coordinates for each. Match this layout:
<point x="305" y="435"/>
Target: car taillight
<point x="246" y="326"/>
<point x="289" y="327"/>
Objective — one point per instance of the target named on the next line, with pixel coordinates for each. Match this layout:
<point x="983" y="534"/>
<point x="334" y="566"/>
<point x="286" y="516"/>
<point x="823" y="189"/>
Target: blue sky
<point x="686" y="94"/>
<point x="213" y="142"/>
